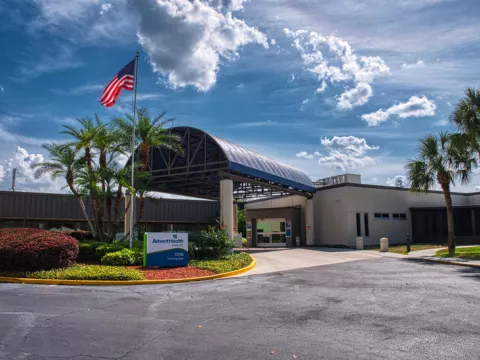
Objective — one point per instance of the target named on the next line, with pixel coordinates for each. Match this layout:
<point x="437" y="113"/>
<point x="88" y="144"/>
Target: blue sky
<point x="326" y="86"/>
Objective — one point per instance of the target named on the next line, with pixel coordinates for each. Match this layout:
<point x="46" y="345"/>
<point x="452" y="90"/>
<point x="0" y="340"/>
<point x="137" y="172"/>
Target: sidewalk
<point x="429" y="255"/>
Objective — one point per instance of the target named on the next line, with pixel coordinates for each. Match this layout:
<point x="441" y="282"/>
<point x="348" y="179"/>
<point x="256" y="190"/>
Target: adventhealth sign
<point x="165" y="249"/>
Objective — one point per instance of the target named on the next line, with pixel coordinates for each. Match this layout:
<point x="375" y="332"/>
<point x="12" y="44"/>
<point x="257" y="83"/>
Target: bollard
<point x="359" y="243"/>
<point x="407" y="240"/>
<point x="384" y="245"/>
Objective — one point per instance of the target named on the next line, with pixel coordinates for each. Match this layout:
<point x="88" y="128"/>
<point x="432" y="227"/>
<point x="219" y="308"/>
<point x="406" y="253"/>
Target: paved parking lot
<point x="382" y="308"/>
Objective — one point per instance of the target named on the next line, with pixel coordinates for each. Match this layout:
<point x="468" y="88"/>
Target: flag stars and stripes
<point x="123" y="80"/>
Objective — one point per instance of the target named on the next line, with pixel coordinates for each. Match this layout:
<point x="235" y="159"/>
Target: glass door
<point x="271" y="232"/>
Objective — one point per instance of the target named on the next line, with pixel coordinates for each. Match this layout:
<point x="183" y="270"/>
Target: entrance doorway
<point x="271" y="232"/>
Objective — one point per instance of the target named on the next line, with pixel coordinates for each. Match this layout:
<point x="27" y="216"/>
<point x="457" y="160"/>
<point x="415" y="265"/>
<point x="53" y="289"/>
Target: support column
<point x="226" y="205"/>
<point x="235" y="219"/>
<point x="309" y="219"/>
<point x="472" y="216"/>
<point x="126" y="218"/>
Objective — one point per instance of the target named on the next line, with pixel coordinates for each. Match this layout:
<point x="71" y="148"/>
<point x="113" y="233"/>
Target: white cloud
<point x="362" y="71"/>
<point x="304" y="102"/>
<point x="415" y="106"/>
<point x="346" y="153"/>
<point x="22" y="160"/>
<point x="304" y="154"/>
<point x="417" y="65"/>
<point x="240" y="86"/>
<point x="2" y="173"/>
<point x="104" y="8"/>
<point x="397" y="180"/>
<point x="322" y="88"/>
<point x="187" y="40"/>
<point x="2" y="89"/>
<point x="356" y="96"/>
<point x="9" y="119"/>
<point x="273" y="42"/>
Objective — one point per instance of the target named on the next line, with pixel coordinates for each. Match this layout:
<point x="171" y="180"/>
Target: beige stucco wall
<point x="287" y="201"/>
<point x="336" y="208"/>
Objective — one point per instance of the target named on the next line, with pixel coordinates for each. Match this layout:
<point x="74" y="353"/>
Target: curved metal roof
<point x="251" y="163"/>
<point x="207" y="159"/>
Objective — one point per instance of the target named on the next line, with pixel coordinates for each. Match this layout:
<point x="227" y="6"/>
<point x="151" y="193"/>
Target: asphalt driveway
<point x="382" y="308"/>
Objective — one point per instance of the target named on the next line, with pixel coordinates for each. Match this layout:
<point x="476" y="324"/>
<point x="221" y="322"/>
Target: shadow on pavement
<point x="470" y="272"/>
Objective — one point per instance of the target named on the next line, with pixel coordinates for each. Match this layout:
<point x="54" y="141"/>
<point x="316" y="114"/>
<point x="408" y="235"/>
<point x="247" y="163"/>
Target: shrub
<point x="89" y="272"/>
<point x="225" y="264"/>
<point x="124" y="257"/>
<point x="35" y="249"/>
<point x="211" y="243"/>
<point x="103" y="249"/>
<point x="136" y="244"/>
<point x="87" y="250"/>
<point x="244" y="242"/>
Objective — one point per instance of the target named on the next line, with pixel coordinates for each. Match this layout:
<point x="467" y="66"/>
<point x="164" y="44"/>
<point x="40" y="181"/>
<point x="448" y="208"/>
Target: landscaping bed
<point x="472" y="253"/>
<point x="48" y="255"/>
<point x="402" y="249"/>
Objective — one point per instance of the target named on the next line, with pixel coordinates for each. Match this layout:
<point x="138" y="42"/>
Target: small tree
<point x="440" y="160"/>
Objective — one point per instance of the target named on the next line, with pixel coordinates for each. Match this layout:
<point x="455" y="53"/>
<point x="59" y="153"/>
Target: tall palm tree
<point x="83" y="137"/>
<point x="149" y="133"/>
<point x="466" y="118"/>
<point x="439" y="161"/>
<point x="64" y="163"/>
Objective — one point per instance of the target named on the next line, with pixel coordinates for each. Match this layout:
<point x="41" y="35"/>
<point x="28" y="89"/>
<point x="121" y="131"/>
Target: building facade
<point x="344" y="209"/>
<point x="47" y="211"/>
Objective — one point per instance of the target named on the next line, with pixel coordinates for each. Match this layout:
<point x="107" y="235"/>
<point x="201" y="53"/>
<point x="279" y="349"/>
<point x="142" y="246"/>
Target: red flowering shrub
<point x="35" y="249"/>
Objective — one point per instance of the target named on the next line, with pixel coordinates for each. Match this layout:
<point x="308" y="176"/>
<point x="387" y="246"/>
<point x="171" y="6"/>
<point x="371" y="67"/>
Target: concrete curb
<point x="446" y="262"/>
<point x="4" y="279"/>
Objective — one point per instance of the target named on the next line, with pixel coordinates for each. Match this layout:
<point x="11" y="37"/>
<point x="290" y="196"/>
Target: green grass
<point x="462" y="253"/>
<point x="402" y="249"/>
<point x="82" y="272"/>
<point x="225" y="264"/>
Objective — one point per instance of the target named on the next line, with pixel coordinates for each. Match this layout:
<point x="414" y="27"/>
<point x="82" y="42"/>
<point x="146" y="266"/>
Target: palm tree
<point x="64" y="163"/>
<point x="439" y="161"/>
<point x="83" y="137"/>
<point x="149" y="133"/>
<point x="466" y="118"/>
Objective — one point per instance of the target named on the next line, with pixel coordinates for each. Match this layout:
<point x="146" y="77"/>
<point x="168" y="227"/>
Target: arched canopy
<point x="207" y="159"/>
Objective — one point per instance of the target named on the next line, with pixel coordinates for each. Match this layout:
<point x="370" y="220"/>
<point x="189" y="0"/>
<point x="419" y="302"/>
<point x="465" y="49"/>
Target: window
<point x="385" y="216"/>
<point x="381" y="216"/>
<point x="365" y="220"/>
<point x="399" y="216"/>
<point x="359" y="226"/>
<point x="377" y="216"/>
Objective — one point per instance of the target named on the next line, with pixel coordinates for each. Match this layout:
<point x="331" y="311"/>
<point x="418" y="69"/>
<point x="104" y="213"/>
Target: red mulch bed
<point x="172" y="273"/>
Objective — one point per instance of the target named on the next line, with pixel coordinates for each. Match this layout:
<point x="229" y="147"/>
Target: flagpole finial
<point x="138" y="53"/>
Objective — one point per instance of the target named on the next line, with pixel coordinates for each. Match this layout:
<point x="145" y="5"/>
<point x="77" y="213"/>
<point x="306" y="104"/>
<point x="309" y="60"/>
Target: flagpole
<point x="133" y="197"/>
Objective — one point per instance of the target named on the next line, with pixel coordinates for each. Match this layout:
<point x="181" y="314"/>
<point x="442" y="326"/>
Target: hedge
<point x="123" y="257"/>
<point x="89" y="272"/>
<point x="24" y="249"/>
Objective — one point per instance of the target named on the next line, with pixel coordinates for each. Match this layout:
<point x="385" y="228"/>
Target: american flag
<point x="123" y="80"/>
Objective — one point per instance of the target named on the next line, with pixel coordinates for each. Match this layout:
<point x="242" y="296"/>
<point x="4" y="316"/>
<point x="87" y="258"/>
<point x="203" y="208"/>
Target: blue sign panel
<point x="165" y="249"/>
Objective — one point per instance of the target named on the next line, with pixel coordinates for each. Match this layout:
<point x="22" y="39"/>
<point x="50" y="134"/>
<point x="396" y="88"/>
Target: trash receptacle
<point x="384" y="245"/>
<point x="359" y="243"/>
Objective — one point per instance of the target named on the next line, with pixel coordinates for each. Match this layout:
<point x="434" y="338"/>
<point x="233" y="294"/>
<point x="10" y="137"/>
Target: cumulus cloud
<point x="347" y="65"/>
<point x="415" y="106"/>
<point x="186" y="40"/>
<point x="304" y="154"/>
<point x="356" y="96"/>
<point x="22" y="160"/>
<point x="417" y="65"/>
<point x="346" y="152"/>
<point x="399" y="181"/>
<point x="105" y="8"/>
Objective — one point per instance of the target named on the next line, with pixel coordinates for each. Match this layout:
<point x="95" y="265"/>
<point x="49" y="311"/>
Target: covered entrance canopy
<point x="208" y="159"/>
